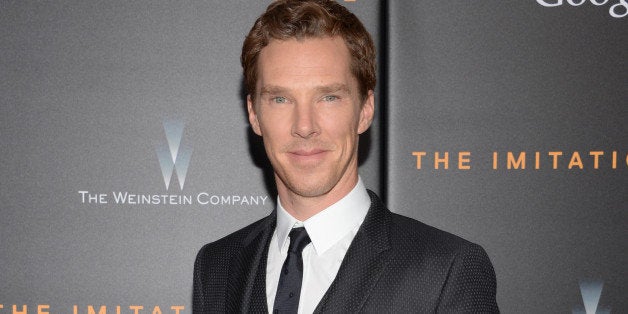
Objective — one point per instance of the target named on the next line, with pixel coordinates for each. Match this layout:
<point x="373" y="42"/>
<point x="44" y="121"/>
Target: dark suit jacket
<point x="394" y="265"/>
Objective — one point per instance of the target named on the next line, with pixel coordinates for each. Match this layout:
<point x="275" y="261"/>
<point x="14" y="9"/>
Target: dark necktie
<point x="289" y="288"/>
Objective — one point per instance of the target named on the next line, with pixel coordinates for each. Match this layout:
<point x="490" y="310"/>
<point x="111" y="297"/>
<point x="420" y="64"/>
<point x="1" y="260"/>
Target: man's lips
<point x="307" y="155"/>
<point x="307" y="152"/>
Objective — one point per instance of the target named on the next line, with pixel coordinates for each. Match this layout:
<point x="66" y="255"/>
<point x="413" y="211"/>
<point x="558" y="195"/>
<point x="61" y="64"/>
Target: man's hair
<point x="302" y="19"/>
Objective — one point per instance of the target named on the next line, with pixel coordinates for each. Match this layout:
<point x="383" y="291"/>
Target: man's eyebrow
<point x="323" y="89"/>
<point x="272" y="89"/>
<point x="333" y="88"/>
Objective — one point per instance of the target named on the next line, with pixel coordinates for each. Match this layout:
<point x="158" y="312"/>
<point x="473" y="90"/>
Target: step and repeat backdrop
<point x="507" y="124"/>
<point x="125" y="148"/>
<point x="125" y="145"/>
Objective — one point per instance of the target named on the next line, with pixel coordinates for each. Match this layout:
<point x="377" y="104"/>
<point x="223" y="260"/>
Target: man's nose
<point x="305" y="122"/>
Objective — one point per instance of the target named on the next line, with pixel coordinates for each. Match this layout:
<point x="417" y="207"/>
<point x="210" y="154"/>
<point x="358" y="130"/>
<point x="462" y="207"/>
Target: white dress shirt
<point x="331" y="232"/>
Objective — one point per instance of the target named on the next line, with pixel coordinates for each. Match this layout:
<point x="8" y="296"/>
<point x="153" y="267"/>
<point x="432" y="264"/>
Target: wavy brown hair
<point x="301" y="19"/>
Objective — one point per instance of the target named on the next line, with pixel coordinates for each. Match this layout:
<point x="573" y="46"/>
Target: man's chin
<point x="308" y="188"/>
<point x="311" y="191"/>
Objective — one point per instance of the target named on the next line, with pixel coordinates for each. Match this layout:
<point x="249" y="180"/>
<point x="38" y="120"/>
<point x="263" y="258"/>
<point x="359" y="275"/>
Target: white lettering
<point x="545" y="4"/>
<point x="225" y="199"/>
<point x="621" y="4"/>
<point x="204" y="198"/>
<point x="576" y="4"/>
<point x="245" y="200"/>
<point x="200" y="200"/>
<point x="146" y="199"/>
<point x="214" y="200"/>
<point x="119" y="197"/>
<point x="93" y="198"/>
<point x="151" y="199"/>
<point x="617" y="10"/>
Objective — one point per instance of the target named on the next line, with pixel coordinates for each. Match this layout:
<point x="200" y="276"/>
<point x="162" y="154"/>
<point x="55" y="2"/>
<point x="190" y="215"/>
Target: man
<point x="309" y="69"/>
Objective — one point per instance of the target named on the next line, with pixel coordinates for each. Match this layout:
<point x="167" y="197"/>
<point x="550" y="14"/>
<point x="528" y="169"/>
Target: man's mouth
<point x="307" y="152"/>
<point x="307" y="155"/>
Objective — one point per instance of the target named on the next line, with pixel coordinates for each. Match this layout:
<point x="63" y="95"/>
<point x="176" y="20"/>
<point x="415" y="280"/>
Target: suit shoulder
<point x="422" y="236"/>
<point x="410" y="235"/>
<point x="462" y="269"/>
<point x="226" y="246"/>
<point x="214" y="261"/>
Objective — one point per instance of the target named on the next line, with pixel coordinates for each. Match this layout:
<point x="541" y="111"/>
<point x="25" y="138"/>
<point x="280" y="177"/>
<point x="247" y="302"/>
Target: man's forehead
<point x="310" y="56"/>
<point x="305" y="43"/>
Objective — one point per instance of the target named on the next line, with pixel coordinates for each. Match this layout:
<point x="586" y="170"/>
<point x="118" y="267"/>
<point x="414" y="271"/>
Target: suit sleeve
<point x="471" y="285"/>
<point x="198" y="297"/>
<point x="210" y="272"/>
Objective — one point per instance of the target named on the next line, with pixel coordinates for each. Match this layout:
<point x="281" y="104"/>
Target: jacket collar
<point x="363" y="264"/>
<point x="246" y="290"/>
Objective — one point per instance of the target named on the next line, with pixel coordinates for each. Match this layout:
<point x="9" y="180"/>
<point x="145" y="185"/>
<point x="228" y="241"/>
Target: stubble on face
<point x="308" y="179"/>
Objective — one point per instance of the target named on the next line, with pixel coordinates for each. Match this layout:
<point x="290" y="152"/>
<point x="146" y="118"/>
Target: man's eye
<point x="280" y="100"/>
<point x="330" y="98"/>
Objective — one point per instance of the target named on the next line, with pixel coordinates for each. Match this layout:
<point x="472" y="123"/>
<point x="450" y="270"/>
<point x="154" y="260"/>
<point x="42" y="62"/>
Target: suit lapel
<point x="363" y="264"/>
<point x="246" y="286"/>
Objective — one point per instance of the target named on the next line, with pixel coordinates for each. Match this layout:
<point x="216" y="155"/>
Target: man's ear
<point x="367" y="112"/>
<point x="250" y="106"/>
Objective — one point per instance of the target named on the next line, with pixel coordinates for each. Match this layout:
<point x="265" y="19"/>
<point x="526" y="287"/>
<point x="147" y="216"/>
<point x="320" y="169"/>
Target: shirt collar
<point x="331" y="224"/>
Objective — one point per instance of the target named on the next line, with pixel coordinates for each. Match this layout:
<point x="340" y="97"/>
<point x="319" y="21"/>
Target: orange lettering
<point x="418" y="158"/>
<point x="615" y="159"/>
<point x="438" y="160"/>
<point x="156" y="310"/>
<point x="42" y="307"/>
<point x="575" y="161"/>
<point x="136" y="308"/>
<point x="555" y="158"/>
<point x="101" y="310"/>
<point x="177" y="308"/>
<point x="596" y="159"/>
<point x="464" y="158"/>
<point x="520" y="163"/>
<point x="24" y="309"/>
<point x="537" y="160"/>
<point x="494" y="160"/>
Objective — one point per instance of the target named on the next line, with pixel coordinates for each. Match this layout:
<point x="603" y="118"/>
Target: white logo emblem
<point x="172" y="155"/>
<point x="591" y="291"/>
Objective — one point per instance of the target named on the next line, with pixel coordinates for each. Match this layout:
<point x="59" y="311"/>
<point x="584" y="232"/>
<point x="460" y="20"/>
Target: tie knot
<point x="298" y="240"/>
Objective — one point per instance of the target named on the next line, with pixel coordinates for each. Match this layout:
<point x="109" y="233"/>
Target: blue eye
<point x="280" y="100"/>
<point x="330" y="98"/>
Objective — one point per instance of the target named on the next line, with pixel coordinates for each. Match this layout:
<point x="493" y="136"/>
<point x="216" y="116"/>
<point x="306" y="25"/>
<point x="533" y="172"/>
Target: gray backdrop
<point x="515" y="76"/>
<point x="92" y="91"/>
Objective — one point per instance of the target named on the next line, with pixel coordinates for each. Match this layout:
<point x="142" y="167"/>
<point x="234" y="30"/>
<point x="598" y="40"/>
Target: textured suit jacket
<point x="394" y="265"/>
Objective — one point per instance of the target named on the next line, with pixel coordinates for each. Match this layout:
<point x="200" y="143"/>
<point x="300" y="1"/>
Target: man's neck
<point x="304" y="207"/>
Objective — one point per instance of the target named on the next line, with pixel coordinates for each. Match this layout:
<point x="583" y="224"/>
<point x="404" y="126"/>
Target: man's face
<point x="308" y="111"/>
